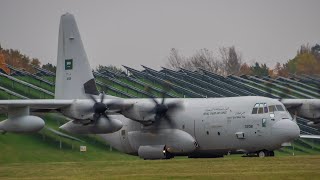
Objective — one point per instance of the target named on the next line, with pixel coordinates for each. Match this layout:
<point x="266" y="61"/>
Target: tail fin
<point x="74" y="78"/>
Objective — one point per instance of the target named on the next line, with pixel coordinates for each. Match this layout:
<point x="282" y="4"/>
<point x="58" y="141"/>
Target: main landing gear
<point x="265" y="153"/>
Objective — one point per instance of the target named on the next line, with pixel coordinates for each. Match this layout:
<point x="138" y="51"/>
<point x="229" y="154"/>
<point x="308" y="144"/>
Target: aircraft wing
<point x="35" y="103"/>
<point x="309" y="136"/>
<point x="305" y="108"/>
<point x="296" y="103"/>
<point x="292" y="104"/>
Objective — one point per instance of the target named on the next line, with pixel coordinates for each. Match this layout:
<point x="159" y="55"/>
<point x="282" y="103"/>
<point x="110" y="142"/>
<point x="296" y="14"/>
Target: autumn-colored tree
<point x="18" y="60"/>
<point x="281" y="70"/>
<point x="35" y="62"/>
<point x="245" y="69"/>
<point x="306" y="63"/>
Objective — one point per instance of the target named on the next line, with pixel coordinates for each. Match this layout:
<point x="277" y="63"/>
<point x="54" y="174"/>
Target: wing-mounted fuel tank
<point x="19" y="121"/>
<point x="161" y="144"/>
<point x="102" y="126"/>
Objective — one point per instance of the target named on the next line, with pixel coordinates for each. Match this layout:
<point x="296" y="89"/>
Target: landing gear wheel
<point x="261" y="154"/>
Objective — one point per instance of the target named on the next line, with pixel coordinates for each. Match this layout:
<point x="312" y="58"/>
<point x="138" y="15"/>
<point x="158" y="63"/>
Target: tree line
<point x="229" y="61"/>
<point x="18" y="60"/>
<point x="226" y="62"/>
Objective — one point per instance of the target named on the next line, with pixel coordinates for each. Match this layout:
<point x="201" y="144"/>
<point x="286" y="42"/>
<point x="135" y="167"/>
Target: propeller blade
<point x="102" y="97"/>
<point x="93" y="98"/>
<point x="96" y="116"/>
<point x="169" y="120"/>
<point x="148" y="90"/>
<point x="106" y="116"/>
<point x="174" y="106"/>
<point x="154" y="100"/>
<point x="163" y="97"/>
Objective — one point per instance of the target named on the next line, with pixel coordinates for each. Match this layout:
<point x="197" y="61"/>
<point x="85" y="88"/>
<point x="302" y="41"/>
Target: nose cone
<point x="285" y="130"/>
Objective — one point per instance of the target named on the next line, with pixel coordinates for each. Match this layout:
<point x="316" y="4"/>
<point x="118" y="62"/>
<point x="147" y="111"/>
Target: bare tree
<point x="203" y="59"/>
<point x="175" y="60"/>
<point x="231" y="60"/>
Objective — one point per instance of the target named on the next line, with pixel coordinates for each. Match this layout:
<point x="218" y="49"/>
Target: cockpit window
<point x="272" y="108"/>
<point x="260" y="108"/>
<point x="280" y="108"/>
<point x="265" y="108"/>
<point x="255" y="109"/>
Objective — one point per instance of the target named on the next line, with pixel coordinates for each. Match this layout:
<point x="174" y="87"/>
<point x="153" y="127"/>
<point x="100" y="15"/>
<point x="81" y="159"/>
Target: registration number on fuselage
<point x="248" y="126"/>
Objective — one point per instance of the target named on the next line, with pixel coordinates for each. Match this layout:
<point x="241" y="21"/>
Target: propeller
<point x="100" y="108"/>
<point x="162" y="110"/>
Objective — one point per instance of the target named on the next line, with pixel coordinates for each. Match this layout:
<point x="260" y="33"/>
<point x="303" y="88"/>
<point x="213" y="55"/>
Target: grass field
<point x="231" y="167"/>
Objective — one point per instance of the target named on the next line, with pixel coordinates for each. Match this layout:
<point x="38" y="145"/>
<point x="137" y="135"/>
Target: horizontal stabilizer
<point x="309" y="136"/>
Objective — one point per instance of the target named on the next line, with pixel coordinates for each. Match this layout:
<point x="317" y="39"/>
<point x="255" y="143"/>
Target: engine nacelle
<point x="22" y="124"/>
<point x="153" y="152"/>
<point x="309" y="111"/>
<point x="103" y="126"/>
<point x="140" y="112"/>
<point x="78" y="109"/>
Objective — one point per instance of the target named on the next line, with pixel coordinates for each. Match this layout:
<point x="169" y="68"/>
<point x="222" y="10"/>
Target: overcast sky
<point x="135" y="32"/>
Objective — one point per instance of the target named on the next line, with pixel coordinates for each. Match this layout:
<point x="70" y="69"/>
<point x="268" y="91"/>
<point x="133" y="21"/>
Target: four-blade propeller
<point x="100" y="108"/>
<point x="163" y="110"/>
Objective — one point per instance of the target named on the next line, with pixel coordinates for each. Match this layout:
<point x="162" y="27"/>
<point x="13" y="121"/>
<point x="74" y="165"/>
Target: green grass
<point x="231" y="167"/>
<point x="45" y="146"/>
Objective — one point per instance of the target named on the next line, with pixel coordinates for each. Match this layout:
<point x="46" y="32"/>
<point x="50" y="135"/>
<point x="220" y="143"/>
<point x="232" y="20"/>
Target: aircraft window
<point x="255" y="110"/>
<point x="272" y="108"/>
<point x="265" y="108"/>
<point x="256" y="105"/>
<point x="264" y="122"/>
<point x="260" y="111"/>
<point x="280" y="108"/>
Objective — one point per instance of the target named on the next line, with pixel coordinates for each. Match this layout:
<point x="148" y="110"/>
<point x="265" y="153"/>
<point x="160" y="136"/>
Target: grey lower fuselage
<point x="218" y="126"/>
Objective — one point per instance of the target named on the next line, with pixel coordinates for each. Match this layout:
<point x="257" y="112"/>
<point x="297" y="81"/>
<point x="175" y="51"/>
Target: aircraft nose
<point x="286" y="130"/>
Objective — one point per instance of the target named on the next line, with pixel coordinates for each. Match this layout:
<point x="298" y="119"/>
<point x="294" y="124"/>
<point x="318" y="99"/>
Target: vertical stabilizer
<point x="74" y="78"/>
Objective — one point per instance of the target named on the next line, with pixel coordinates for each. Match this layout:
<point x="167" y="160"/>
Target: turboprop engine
<point x="153" y="112"/>
<point x="22" y="124"/>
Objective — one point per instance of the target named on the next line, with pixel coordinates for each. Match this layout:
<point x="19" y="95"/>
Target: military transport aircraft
<point x="152" y="128"/>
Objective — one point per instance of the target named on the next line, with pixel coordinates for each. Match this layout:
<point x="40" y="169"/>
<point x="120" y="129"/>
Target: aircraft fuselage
<point x="217" y="125"/>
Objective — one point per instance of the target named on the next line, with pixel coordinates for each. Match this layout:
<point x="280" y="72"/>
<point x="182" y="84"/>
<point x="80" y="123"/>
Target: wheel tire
<point x="261" y="154"/>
